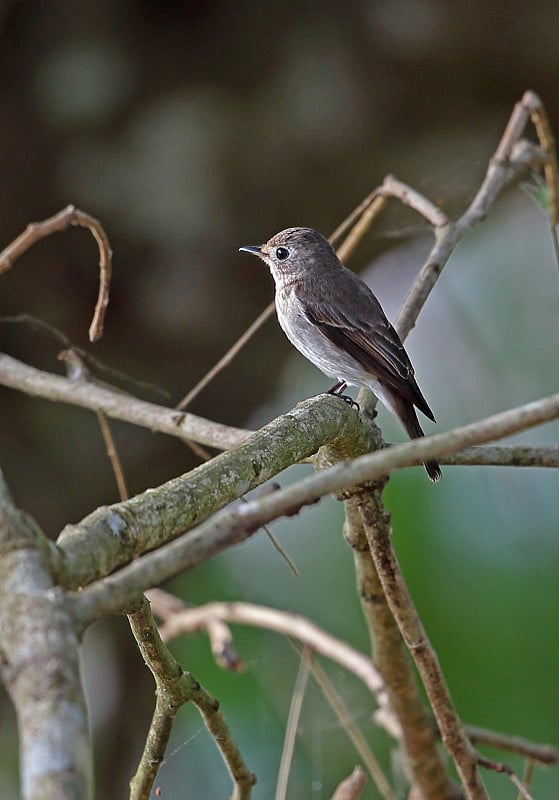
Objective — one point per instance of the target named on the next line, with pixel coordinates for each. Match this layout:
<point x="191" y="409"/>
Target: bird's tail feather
<point x="405" y="412"/>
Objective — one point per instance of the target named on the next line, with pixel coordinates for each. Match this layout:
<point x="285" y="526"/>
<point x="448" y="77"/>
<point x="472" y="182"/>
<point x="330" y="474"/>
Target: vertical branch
<point x="39" y="664"/>
<point x="293" y="720"/>
<point x="424" y="765"/>
<point x="399" y="601"/>
<point x="174" y="687"/>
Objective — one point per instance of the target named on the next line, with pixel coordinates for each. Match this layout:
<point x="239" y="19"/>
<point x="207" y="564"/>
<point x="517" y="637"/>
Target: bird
<point x="334" y="319"/>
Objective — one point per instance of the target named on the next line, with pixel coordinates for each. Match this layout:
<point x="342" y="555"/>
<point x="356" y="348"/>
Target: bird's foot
<point x="337" y="390"/>
<point x="350" y="401"/>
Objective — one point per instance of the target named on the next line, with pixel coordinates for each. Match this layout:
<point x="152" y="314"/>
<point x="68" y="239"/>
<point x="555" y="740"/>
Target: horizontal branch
<point x="91" y="395"/>
<point x="295" y="626"/>
<point x="544" y="753"/>
<point x="113" y="535"/>
<point x="495" y="455"/>
<point x="232" y="526"/>
<point x="95" y="397"/>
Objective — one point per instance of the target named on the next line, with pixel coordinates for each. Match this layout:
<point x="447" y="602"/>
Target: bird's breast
<point x="305" y="336"/>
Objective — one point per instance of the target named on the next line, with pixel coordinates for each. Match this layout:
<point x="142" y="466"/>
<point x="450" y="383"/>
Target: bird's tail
<point x="405" y="412"/>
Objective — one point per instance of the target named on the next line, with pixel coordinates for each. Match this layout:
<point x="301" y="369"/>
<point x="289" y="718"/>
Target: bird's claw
<point x="350" y="401"/>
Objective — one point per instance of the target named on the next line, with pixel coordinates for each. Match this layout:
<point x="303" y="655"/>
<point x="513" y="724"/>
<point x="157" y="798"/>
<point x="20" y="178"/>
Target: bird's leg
<point x="337" y="390"/>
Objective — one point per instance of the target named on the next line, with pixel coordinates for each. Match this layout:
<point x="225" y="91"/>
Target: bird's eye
<point x="282" y="253"/>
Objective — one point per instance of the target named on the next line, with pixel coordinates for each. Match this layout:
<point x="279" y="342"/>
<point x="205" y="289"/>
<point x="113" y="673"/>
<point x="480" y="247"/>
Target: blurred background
<point x="189" y="129"/>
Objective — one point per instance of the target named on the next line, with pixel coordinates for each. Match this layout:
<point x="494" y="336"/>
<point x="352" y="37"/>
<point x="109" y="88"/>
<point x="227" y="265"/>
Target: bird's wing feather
<point x="369" y="338"/>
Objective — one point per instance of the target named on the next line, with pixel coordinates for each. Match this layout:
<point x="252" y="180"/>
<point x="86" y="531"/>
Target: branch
<point x="504" y="769"/>
<point x="61" y="222"/>
<point x="232" y="526"/>
<point x="506" y="456"/>
<point x="113" y="535"/>
<point x="351" y="788"/>
<point x="544" y="753"/>
<point x="512" y="158"/>
<point x="399" y="600"/>
<point x="295" y="626"/>
<point x="173" y="689"/>
<point x="405" y="710"/>
<point x="39" y="664"/>
<point x="114" y="403"/>
<point x="166" y="605"/>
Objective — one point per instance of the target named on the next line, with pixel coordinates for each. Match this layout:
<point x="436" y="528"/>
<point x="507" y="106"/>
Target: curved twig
<point x="61" y="222"/>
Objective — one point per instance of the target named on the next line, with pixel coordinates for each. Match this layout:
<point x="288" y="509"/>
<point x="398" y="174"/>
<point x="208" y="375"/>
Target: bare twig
<point x="361" y="218"/>
<point x="35" y="323"/>
<point x="113" y="455"/>
<point x="77" y="371"/>
<point x="353" y="217"/>
<point x="499" y="175"/>
<point x="527" y="776"/>
<point x="531" y="107"/>
<point x="543" y="753"/>
<point x="174" y="688"/>
<point x="61" y="222"/>
<point x="165" y="605"/>
<point x="228" y="357"/>
<point x="504" y="769"/>
<point x="293" y="723"/>
<point x="351" y="788"/>
<point x="292" y="625"/>
<point x="356" y="737"/>
<point x="362" y="225"/>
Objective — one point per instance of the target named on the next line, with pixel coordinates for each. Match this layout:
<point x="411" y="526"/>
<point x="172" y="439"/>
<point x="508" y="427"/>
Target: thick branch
<point x="113" y="535"/>
<point x="39" y="665"/>
<point x="413" y="633"/>
<point x="423" y="762"/>
<point x="232" y="526"/>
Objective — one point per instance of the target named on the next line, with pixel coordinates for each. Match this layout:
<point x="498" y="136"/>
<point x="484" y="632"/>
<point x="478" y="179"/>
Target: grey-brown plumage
<point x="332" y="317"/>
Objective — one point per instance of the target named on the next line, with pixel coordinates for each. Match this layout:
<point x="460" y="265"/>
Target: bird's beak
<point x="255" y="249"/>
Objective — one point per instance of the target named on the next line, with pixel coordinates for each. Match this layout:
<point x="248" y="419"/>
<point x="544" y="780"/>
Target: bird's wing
<point x="369" y="338"/>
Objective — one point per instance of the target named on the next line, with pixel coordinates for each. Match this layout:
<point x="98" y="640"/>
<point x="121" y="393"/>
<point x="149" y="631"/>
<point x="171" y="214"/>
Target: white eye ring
<point x="282" y="253"/>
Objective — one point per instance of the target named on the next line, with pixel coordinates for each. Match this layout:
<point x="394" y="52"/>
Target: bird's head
<point x="296" y="253"/>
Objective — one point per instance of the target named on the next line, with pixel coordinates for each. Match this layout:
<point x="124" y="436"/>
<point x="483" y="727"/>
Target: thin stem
<point x="293" y="723"/>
